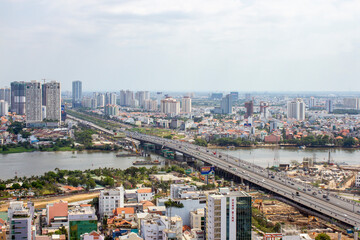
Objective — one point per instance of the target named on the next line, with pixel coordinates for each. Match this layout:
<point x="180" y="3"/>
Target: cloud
<point x="192" y="42"/>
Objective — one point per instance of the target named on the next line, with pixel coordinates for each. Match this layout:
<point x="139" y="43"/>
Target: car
<point x="272" y="176"/>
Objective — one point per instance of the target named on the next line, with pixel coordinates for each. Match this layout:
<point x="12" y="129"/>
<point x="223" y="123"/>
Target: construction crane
<point x="135" y="148"/>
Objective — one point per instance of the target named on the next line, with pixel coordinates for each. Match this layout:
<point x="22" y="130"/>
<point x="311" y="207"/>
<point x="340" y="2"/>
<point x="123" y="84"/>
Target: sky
<point x="183" y="45"/>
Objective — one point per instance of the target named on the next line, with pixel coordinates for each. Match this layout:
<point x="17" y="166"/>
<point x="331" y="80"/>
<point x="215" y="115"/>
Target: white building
<point x="4" y="108"/>
<point x="155" y="227"/>
<point x="296" y="109"/>
<point x="177" y="189"/>
<point x="92" y="236"/>
<point x="170" y="106"/>
<point x="197" y="218"/>
<point x="186" y="105"/>
<point x="228" y="216"/>
<point x="357" y="180"/>
<point x="110" y="200"/>
<point x="144" y="194"/>
<point x="33" y="102"/>
<point x="150" y="105"/>
<point x="20" y="220"/>
<point x="52" y="99"/>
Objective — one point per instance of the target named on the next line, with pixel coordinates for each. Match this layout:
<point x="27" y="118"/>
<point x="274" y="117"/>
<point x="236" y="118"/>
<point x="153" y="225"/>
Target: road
<point x="334" y="206"/>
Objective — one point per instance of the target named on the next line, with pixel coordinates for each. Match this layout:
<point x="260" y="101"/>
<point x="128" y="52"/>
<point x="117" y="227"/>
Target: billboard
<point x="207" y="170"/>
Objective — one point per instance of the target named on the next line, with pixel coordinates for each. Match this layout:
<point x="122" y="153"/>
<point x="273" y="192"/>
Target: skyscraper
<point x="329" y="106"/>
<point x="312" y="102"/>
<point x="76" y="93"/>
<point x="227" y="104"/>
<point x="228" y="216"/>
<point x="5" y="94"/>
<point x="18" y="97"/>
<point x="249" y="108"/>
<point x="20" y="219"/>
<point x="52" y="96"/>
<point x="33" y="99"/>
<point x="235" y="96"/>
<point x="296" y="109"/>
<point x="186" y="105"/>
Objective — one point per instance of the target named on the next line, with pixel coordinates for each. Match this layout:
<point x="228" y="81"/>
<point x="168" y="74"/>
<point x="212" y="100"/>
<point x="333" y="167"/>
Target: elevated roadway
<point x="332" y="206"/>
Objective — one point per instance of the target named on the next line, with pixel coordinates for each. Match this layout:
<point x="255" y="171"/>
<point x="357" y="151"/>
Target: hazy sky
<point x="183" y="45"/>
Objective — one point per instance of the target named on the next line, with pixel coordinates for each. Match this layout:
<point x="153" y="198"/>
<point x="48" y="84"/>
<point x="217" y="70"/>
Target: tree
<point x="16" y="186"/>
<point x="322" y="236"/>
<point x="2" y="187"/>
<point x="201" y="142"/>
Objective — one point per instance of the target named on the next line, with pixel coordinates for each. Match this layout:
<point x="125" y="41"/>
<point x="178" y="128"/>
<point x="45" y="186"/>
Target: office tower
<point x="296" y="109"/>
<point x="170" y="106"/>
<point x="4" y="108"/>
<point x="76" y="93"/>
<point x="109" y="200"/>
<point x="228" y="216"/>
<point x="329" y="106"/>
<point x="81" y="220"/>
<point x="311" y="102"/>
<point x="186" y="104"/>
<point x="227" y="104"/>
<point x="235" y="96"/>
<point x="18" y="98"/>
<point x="33" y="99"/>
<point x="216" y="96"/>
<point x="52" y="96"/>
<point x="20" y="220"/>
<point x="249" y="109"/>
<point x="5" y="94"/>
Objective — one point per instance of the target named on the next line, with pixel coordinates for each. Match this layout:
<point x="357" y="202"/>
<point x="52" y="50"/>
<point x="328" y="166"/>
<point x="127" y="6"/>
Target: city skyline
<point x="187" y="46"/>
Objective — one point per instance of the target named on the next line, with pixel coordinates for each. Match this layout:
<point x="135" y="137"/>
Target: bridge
<point x="305" y="195"/>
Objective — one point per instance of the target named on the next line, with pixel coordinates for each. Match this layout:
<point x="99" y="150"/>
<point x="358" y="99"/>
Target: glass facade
<point x="78" y="228"/>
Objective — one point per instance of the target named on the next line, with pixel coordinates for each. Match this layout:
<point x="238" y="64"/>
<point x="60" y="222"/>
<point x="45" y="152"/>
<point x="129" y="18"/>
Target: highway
<point x="341" y="209"/>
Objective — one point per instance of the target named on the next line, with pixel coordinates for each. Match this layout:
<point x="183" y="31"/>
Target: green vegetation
<point x="84" y="137"/>
<point x="201" y="142"/>
<point x="322" y="236"/>
<point x="260" y="222"/>
<point x="322" y="140"/>
<point x="346" y="111"/>
<point x="237" y="142"/>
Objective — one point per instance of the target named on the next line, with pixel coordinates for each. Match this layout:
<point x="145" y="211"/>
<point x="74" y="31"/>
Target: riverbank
<point x="41" y="202"/>
<point x="274" y="146"/>
<point x="23" y="149"/>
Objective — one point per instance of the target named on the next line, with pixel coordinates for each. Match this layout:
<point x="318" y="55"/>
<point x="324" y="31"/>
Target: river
<point x="36" y="163"/>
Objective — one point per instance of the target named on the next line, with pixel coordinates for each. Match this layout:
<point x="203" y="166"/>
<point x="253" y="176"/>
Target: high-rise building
<point x="329" y="106"/>
<point x="352" y="103"/>
<point x="111" y="110"/>
<point x="110" y="98"/>
<point x="311" y="102"/>
<point x="123" y="98"/>
<point x="228" y="216"/>
<point x="170" y="106"/>
<point x="20" y="220"/>
<point x="186" y="105"/>
<point x="296" y="109"/>
<point x="76" y="93"/>
<point x="18" y="97"/>
<point x="33" y="100"/>
<point x="216" y="96"/>
<point x="100" y="99"/>
<point x="4" y="108"/>
<point x="5" y="94"/>
<point x="151" y="105"/>
<point x="235" y="96"/>
<point x="109" y="200"/>
<point x="129" y="98"/>
<point x="227" y="104"/>
<point x="81" y="220"/>
<point x="52" y="96"/>
<point x="249" y="109"/>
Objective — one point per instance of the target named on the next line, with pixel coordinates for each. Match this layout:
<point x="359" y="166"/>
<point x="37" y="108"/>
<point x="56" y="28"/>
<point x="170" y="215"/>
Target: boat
<point x="302" y="147"/>
<point x="155" y="162"/>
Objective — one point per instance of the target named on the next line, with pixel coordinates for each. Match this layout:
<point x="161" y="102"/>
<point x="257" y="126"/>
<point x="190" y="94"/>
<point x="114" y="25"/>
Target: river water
<point x="36" y="163"/>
